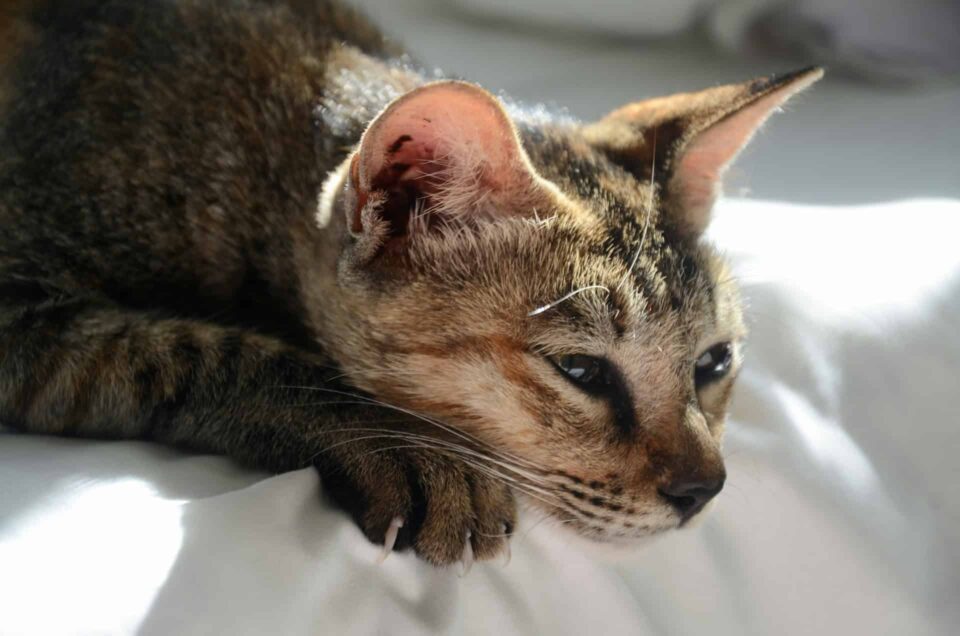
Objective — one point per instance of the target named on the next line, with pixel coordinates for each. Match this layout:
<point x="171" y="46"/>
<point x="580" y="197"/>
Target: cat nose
<point x="689" y="495"/>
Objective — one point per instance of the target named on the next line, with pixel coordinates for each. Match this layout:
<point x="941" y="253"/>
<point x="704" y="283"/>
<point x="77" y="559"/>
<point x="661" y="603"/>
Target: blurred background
<point x="885" y="124"/>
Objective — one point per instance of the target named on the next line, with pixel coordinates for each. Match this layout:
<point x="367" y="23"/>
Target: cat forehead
<point x="669" y="296"/>
<point x="596" y="279"/>
<point x="632" y="231"/>
<point x="562" y="154"/>
<point x="623" y="252"/>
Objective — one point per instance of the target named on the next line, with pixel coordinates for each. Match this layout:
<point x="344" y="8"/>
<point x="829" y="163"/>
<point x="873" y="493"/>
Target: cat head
<point x="544" y="290"/>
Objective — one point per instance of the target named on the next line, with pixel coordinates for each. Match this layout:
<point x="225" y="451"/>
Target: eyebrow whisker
<point x="566" y="297"/>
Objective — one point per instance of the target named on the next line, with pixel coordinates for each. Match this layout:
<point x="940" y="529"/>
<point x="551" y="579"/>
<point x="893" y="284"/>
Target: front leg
<point x="91" y="369"/>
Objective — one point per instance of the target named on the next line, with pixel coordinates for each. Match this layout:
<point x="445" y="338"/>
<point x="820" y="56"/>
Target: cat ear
<point x="443" y="153"/>
<point x="689" y="140"/>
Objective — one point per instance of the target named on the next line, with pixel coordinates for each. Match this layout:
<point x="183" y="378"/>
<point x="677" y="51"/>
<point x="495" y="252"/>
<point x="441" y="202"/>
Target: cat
<point x="254" y="228"/>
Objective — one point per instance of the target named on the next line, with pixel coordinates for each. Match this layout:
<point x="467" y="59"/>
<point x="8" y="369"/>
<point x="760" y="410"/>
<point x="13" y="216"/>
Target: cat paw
<point x="447" y="511"/>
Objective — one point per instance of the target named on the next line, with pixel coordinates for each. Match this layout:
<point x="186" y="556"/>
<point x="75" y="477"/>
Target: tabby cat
<point x="252" y="227"/>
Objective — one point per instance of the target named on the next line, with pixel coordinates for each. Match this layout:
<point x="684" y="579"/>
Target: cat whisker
<point x="543" y="517"/>
<point x="464" y="454"/>
<point x="565" y="298"/>
<point x="524" y="488"/>
<point x="539" y="481"/>
<point x="461" y="434"/>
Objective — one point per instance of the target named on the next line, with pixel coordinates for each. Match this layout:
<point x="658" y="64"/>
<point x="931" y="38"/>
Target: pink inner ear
<point x="449" y="144"/>
<point x="701" y="164"/>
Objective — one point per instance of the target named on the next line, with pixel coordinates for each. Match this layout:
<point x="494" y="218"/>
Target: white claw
<point x="390" y="538"/>
<point x="467" y="558"/>
<point x="507" y="555"/>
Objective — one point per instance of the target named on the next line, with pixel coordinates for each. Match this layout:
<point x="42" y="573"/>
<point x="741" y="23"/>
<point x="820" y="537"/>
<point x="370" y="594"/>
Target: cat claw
<point x="467" y="558"/>
<point x="390" y="538"/>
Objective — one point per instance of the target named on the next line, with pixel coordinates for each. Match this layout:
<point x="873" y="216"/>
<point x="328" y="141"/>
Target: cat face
<point x="541" y="294"/>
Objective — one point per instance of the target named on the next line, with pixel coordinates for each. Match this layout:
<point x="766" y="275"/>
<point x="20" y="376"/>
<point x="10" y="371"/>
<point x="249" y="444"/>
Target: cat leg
<point x="88" y="368"/>
<point x="82" y="367"/>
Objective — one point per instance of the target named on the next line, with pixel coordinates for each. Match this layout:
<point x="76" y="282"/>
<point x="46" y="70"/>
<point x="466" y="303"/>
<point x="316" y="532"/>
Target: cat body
<point x="252" y="228"/>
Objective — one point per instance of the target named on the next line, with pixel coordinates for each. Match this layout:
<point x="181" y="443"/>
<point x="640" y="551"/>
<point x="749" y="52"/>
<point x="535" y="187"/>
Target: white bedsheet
<point x="840" y="515"/>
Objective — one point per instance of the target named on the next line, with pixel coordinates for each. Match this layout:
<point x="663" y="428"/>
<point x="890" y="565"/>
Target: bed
<point x="840" y="514"/>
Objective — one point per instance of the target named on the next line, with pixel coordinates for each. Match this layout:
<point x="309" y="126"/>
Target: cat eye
<point x="585" y="371"/>
<point x="599" y="378"/>
<point x="713" y="364"/>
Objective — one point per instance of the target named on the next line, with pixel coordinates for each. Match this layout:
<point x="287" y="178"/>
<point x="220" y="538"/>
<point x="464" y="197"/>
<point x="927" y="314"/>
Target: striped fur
<point x="178" y="264"/>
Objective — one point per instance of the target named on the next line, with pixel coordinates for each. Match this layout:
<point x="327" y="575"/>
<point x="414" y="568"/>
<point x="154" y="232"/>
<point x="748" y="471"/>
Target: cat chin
<point x="612" y="552"/>
<point x="622" y="550"/>
<point x="617" y="550"/>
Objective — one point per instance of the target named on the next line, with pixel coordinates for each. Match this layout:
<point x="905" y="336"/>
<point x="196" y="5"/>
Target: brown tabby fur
<point x="166" y="274"/>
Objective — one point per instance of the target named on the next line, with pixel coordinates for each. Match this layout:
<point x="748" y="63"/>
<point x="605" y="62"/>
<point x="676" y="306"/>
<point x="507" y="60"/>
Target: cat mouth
<point x="619" y="529"/>
<point x="632" y="531"/>
<point x="613" y="540"/>
<point x="600" y="520"/>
